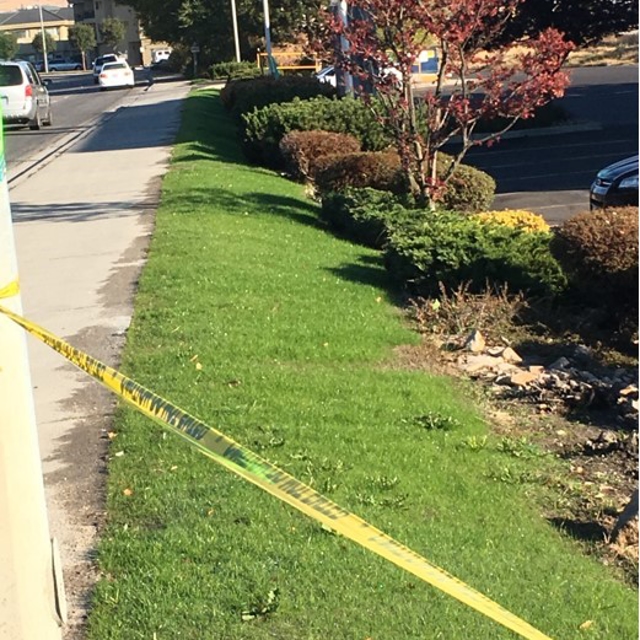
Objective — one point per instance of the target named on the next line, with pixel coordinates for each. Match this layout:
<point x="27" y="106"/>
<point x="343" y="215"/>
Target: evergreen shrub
<point x="364" y="215"/>
<point x="264" y="128"/>
<point x="453" y="248"/>
<point x="234" y="70"/>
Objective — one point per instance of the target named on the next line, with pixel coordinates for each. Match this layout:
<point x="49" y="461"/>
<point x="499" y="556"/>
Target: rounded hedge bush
<point x="264" y="128"/>
<point x="598" y="251"/>
<point x="468" y="189"/>
<point x="376" y="170"/>
<point x="302" y="150"/>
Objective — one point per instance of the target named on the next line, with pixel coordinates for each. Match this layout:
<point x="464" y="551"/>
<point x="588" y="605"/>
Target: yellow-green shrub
<point x="516" y="218"/>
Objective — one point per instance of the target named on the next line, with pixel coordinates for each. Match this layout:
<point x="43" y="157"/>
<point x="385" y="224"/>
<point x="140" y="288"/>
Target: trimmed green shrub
<point x="598" y="251"/>
<point x="452" y="249"/>
<point x="234" y="70"/>
<point x="245" y="95"/>
<point x="377" y="170"/>
<point x="468" y="189"/>
<point x="365" y="215"/>
<point x="301" y="150"/>
<point x="264" y="128"/>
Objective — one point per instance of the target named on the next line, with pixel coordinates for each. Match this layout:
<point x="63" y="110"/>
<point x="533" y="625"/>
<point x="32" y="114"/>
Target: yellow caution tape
<point x="10" y="290"/>
<point x="278" y="483"/>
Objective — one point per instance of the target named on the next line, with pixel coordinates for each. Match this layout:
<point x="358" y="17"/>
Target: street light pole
<point x="267" y="28"/>
<point x="235" y="29"/>
<point x="44" y="41"/>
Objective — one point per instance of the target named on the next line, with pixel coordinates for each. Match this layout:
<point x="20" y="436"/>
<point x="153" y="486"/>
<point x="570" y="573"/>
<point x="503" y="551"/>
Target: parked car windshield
<point x="10" y="76"/>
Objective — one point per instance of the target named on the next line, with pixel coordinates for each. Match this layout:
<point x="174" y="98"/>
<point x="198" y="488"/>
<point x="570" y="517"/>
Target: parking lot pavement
<point x="550" y="172"/>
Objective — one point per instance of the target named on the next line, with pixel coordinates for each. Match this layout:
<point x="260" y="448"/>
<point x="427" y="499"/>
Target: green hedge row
<point x="424" y="248"/>
<point x="264" y="128"/>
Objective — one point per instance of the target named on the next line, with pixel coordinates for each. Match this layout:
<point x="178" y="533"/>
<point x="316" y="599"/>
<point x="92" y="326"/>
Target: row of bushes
<point x="314" y="157"/>
<point x="340" y="146"/>
<point x="593" y="256"/>
<point x="291" y="122"/>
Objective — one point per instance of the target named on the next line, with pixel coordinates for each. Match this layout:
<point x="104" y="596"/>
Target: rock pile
<point x="570" y="382"/>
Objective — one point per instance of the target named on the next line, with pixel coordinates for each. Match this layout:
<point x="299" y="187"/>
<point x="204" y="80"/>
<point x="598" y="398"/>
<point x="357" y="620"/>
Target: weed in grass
<point x="382" y="482"/>
<point x="520" y="448"/>
<point x="267" y="438"/>
<point x="392" y="502"/>
<point x="434" y="421"/>
<point x="511" y="475"/>
<point x="475" y="443"/>
<point x="263" y="608"/>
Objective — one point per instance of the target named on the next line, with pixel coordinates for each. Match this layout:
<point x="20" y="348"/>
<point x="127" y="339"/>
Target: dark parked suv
<point x="616" y="185"/>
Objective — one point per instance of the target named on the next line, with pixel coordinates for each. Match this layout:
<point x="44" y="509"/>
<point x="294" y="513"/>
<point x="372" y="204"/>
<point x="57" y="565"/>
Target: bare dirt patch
<point x="567" y="402"/>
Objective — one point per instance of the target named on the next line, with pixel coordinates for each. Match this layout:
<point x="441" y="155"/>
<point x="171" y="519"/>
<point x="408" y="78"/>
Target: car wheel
<point x="78" y="67"/>
<point x="49" y="121"/>
<point x="36" y="123"/>
<point x="53" y="69"/>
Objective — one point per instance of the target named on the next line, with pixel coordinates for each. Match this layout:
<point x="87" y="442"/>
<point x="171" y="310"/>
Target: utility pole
<point x="43" y="35"/>
<point x="267" y="30"/>
<point x="344" y="80"/>
<point x="29" y="604"/>
<point x="235" y="29"/>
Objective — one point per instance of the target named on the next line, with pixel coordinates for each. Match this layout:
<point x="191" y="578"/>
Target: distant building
<point x="135" y="45"/>
<point x="24" y="24"/>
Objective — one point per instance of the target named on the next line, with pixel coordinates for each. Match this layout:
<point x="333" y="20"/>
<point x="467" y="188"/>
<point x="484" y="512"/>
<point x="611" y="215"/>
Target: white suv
<point x="25" y="98"/>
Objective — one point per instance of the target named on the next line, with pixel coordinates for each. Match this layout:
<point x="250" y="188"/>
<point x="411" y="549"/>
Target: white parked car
<point x="328" y="75"/>
<point x="25" y="98"/>
<point x="98" y="62"/>
<point x="116" y="74"/>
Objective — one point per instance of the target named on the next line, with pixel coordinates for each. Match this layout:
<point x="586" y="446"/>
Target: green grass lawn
<point x="255" y="319"/>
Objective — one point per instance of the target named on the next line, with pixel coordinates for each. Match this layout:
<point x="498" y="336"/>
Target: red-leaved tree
<point x="475" y="82"/>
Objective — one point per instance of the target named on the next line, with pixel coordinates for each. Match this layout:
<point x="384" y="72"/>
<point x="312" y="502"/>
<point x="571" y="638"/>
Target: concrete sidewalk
<point x="82" y="225"/>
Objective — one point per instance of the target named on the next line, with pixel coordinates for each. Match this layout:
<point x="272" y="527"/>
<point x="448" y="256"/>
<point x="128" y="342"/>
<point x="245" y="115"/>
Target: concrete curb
<point x="538" y="132"/>
<point x="572" y="127"/>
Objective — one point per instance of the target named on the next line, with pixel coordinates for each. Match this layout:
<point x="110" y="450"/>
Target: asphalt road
<point x="550" y="174"/>
<point x="78" y="105"/>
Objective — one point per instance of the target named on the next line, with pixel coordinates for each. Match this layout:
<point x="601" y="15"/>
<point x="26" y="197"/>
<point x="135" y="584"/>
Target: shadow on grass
<point x="586" y="531"/>
<point x="217" y="139"/>
<point x="219" y="142"/>
<point x="218" y="199"/>
<point x="371" y="271"/>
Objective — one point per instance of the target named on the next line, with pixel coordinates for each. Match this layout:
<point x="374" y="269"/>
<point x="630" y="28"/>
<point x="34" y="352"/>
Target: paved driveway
<point x="549" y="172"/>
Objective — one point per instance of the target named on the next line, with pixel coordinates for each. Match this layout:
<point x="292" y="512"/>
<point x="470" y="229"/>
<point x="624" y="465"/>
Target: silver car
<point x="25" y="99"/>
